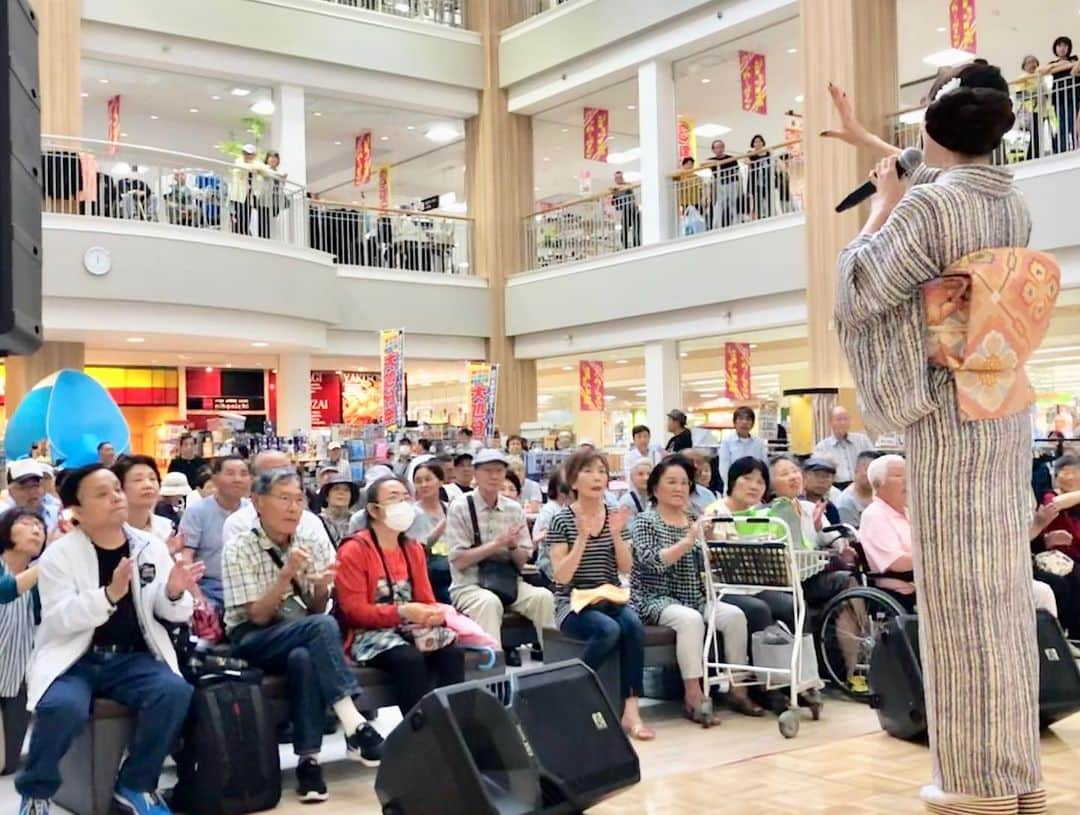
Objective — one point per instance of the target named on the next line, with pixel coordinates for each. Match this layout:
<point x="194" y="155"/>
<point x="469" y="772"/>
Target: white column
<point x="663" y="385"/>
<point x="659" y="151"/>
<point x="293" y="394"/>
<point x="289" y="131"/>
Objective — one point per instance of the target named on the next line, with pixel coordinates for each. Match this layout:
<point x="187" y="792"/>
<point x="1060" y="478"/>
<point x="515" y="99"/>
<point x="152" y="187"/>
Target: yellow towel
<point x="581" y="599"/>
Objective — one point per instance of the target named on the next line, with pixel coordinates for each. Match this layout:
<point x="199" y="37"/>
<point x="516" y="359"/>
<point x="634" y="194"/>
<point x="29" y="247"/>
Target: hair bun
<point x="973" y="118"/>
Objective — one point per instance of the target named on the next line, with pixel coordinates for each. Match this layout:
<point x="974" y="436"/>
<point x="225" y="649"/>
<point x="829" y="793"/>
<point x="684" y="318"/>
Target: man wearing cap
<point x="26" y="491"/>
<point x="203" y="525"/>
<point x="242" y="186"/>
<point x="486" y="527"/>
<point x="336" y="462"/>
<point x="681" y="438"/>
<point x="818" y="474"/>
<point x="843" y="446"/>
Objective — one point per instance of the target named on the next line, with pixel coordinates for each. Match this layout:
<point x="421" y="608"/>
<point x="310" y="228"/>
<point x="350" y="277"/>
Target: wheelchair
<point x="851" y="622"/>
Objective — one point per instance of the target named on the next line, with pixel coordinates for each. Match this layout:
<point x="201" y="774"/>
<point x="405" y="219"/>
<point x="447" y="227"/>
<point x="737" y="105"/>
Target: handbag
<point x="294" y="608"/>
<point x="497" y="575"/>
<point x="1054" y="562"/>
<point x="424" y="638"/>
<point x="205" y="622"/>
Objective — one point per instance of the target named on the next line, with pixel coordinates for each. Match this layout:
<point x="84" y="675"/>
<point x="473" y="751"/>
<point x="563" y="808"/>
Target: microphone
<point x="907" y="161"/>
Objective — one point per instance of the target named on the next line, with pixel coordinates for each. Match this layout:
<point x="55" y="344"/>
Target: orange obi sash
<point x="985" y="316"/>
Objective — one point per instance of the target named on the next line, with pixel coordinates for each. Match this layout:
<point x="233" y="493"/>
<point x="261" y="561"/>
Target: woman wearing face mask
<point x="382" y="586"/>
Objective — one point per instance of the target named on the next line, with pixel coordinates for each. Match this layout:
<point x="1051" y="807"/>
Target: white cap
<point x="249" y="149"/>
<point x="334" y="445"/>
<point x="175" y="484"/>
<point x="25" y="468"/>
<point x="491" y="455"/>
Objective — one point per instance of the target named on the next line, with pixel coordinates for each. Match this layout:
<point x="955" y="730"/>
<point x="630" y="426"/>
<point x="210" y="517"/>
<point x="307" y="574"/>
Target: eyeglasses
<point x="391" y="500"/>
<point x="287" y="501"/>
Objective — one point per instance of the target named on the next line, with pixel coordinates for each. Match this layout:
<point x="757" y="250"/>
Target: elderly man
<point x="857" y="497"/>
<point x="27" y="491"/>
<point x="842" y="446"/>
<point x="885" y="530"/>
<point x="336" y="461"/>
<point x="489" y="544"/>
<point x="277" y="587"/>
<point x="818" y="476"/>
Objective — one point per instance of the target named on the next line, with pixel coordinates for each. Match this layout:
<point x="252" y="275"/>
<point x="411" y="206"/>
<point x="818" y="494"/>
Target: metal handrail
<point x="709" y="163"/>
<point x="522" y="10"/>
<point x="1041" y="73"/>
<point x="449" y="13"/>
<point x="391" y="210"/>
<point x="600" y="196"/>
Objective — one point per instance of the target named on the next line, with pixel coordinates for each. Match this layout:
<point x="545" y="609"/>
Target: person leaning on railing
<point x="1065" y="69"/>
<point x="691" y="197"/>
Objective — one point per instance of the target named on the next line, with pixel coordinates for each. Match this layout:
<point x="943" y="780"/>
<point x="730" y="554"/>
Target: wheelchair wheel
<point x="849" y="629"/>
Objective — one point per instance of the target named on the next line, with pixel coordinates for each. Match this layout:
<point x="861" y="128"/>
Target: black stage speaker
<point x="20" y="183"/>
<point x="539" y="742"/>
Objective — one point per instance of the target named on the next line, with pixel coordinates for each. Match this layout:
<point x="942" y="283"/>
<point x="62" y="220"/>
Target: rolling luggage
<point x="1059" y="677"/>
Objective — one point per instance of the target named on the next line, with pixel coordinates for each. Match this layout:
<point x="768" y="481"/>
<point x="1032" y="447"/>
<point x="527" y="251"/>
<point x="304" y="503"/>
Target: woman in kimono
<point x="972" y="561"/>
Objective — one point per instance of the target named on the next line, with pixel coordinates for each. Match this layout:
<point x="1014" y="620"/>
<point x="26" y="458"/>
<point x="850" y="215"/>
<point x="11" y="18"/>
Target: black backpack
<point x="229" y="763"/>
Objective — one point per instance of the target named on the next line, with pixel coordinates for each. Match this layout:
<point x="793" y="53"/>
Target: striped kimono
<point x="970" y="496"/>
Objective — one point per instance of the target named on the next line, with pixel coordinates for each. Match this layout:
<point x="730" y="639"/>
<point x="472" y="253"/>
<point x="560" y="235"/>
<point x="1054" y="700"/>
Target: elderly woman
<point x="531" y="497"/>
<point x="141" y="482"/>
<point x="338" y="495"/>
<point x="384" y="598"/>
<point x="636" y="498"/>
<point x="666" y="586"/>
<point x="22" y="534"/>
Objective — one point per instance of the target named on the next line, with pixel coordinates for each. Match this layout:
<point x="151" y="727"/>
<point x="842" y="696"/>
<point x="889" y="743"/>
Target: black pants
<point x="763" y="608"/>
<point x="16" y="720"/>
<point x="264" y="222"/>
<point x="414" y="673"/>
<point x="241" y="217"/>
<point x="1066" y="590"/>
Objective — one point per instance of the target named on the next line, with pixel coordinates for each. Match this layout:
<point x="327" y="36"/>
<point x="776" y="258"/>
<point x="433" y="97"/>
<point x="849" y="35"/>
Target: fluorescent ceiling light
<point x="317" y="113"/>
<point x="622" y="361"/>
<point x="123" y="135"/>
<point x="209" y="370"/>
<point x="103" y="81"/>
<point x="683" y="354"/>
<point x="384" y="138"/>
<point x="441" y="133"/>
<point x="85" y="94"/>
<point x="948" y="57"/>
<point x="710" y="130"/>
<point x="625" y="157"/>
<point x="631" y="176"/>
<point x="337" y="143"/>
<point x="193" y="110"/>
<point x="800" y="99"/>
<point x="631" y="107"/>
<point x="793" y="50"/>
<point x="121" y="168"/>
<point x="240" y="92"/>
<point x="912" y="117"/>
<point x="136" y="340"/>
<point x="260" y="344"/>
<point x="153" y="116"/>
<point x="402" y="8"/>
<point x="568" y="367"/>
<point x="411" y="127"/>
<point x="708" y="395"/>
<point x="264" y="107"/>
<point x="705" y="80"/>
<point x="215" y="98"/>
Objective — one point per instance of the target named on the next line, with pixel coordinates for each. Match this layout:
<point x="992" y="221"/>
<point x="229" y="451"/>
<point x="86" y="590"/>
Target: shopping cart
<point x="746" y="555"/>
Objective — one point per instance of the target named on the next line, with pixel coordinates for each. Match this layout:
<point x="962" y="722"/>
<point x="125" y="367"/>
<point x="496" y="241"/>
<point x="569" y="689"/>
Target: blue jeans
<point x="159" y="697"/>
<point x="214" y="590"/>
<point x="311" y="655"/>
<point x="605" y="628"/>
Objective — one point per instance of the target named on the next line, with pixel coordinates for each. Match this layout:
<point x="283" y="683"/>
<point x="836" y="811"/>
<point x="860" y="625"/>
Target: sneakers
<point x="365" y="746"/>
<point x="34" y="806"/>
<point x="310" y="786"/>
<point x="140" y="803"/>
<point x="858" y="684"/>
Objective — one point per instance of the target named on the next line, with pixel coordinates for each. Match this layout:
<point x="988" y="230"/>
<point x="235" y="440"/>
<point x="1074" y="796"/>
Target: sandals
<point x="697" y="717"/>
<point x="640" y="732"/>
<point x="745" y="705"/>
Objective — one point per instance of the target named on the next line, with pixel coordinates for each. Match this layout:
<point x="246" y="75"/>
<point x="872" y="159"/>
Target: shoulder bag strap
<point x="637" y="501"/>
<point x="475" y="521"/>
<point x="275" y="556"/>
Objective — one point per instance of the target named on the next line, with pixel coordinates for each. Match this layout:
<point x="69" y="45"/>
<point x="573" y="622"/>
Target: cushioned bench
<point x="89" y="768"/>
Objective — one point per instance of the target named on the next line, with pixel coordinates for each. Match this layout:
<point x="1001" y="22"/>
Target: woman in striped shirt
<point x="588" y="551"/>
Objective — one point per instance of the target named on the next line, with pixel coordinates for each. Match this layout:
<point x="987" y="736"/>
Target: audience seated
<point x="489" y="544"/>
<point x="531" y="496"/>
<point x="105" y="590"/>
<point x="885" y="531"/>
<point x="386" y="603"/>
<point x="858" y="494"/>
<point x="141" y="482"/>
<point x="636" y="498"/>
<point x="666" y="586"/>
<point x="429" y="528"/>
<point x="277" y="587"/>
<point x="703" y="494"/>
<point x="338" y="495"/>
<point x="818" y="476"/>
<point x="558" y="495"/>
<point x="589" y="550"/>
<point x="26" y="490"/>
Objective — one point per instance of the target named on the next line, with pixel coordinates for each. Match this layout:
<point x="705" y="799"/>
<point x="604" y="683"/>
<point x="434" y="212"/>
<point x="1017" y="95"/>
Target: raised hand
<point x="850" y="130"/>
<point x="184" y="577"/>
<point x="175" y="544"/>
<point x="295" y="562"/>
<point x="120" y="584"/>
<point x="617" y="520"/>
<point x="325" y="580"/>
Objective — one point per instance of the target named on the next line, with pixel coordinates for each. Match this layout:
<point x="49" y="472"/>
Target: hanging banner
<point x="362" y="160"/>
<point x="793" y="132"/>
<point x="493" y="392"/>
<point x="384" y="186"/>
<point x="962" y="25"/>
<point x="687" y="141"/>
<point x="752" y="81"/>
<point x="361" y="398"/>
<point x="737" y="370"/>
<point x="392" y="356"/>
<point x="112" y="118"/>
<point x="325" y="398"/>
<point x="479" y="379"/>
<point x="590" y="385"/>
<point x="596" y="134"/>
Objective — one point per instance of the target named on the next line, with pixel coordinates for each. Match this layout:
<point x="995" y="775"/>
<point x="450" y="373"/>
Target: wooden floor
<point x="842" y="765"/>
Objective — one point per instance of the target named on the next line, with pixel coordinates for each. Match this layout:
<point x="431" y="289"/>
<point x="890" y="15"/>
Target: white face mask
<point x="399" y="516"/>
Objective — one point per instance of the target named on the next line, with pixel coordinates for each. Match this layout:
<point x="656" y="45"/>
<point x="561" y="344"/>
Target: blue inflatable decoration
<point x="74" y="412"/>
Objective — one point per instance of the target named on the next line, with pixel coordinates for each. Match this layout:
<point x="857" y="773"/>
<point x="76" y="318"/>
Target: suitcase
<point x="896" y="684"/>
<point x="229" y="762"/>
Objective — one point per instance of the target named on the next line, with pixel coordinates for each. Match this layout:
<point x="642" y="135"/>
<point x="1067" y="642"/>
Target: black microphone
<point x="907" y="161"/>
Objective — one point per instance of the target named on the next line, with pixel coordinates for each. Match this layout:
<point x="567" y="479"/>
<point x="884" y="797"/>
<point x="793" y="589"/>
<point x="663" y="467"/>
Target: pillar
<point x="659" y="152"/>
<point x="663" y="385"/>
<point x="852" y="43"/>
<point x="22" y="373"/>
<point x="293" y="394"/>
<point x="290" y="132"/>
<point x="499" y="191"/>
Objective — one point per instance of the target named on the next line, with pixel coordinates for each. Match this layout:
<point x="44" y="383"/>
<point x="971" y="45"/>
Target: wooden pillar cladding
<point x="59" y="55"/>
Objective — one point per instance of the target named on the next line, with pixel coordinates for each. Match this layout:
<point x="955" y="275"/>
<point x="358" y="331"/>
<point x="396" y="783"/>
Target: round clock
<point x="97" y="260"/>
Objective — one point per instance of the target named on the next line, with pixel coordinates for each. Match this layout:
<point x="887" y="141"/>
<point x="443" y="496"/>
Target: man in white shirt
<point x="466" y="442"/>
<point x="643" y="450"/>
<point x="857" y="497"/>
<point x="333" y="451"/>
<point x="843" y="446"/>
<point x="742" y="444"/>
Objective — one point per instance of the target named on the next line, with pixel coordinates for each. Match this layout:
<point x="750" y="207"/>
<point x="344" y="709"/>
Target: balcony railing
<point x="1046" y="120"/>
<point x="391" y="238"/>
<point x="585" y="228"/>
<point x="740" y="189"/>
<point x="442" y="12"/>
<point x="129" y="182"/>
<point x="521" y="10"/>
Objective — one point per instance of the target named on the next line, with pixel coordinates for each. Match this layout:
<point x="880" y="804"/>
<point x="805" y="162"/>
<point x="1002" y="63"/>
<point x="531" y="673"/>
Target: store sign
<point x="962" y="25"/>
<point x="234" y="404"/>
<point x="493" y="394"/>
<point x="362" y="159"/>
<point x="325" y="398"/>
<point x="479" y="379"/>
<point x="590" y="385"/>
<point x="596" y="134"/>
<point x="752" y="82"/>
<point x="392" y="356"/>
<point x="429" y="203"/>
<point x="737" y="371"/>
<point x="361" y="398"/>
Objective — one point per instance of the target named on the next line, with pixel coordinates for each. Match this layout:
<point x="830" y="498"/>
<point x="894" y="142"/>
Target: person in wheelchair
<point x="885" y="531"/>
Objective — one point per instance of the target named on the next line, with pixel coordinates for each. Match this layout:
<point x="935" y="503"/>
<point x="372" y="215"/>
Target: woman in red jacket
<point x="385" y="598"/>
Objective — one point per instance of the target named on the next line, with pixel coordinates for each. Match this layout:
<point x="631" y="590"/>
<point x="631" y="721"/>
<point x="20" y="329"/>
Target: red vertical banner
<point x="325" y="398"/>
<point x="596" y="134"/>
<point x="392" y="354"/>
<point x="685" y="138"/>
<point x="112" y="119"/>
<point x="962" y="25"/>
<point x="590" y="385"/>
<point x="737" y="370"/>
<point x="362" y="160"/>
<point x="752" y="82"/>
<point x="479" y="379"/>
<point x="384" y="186"/>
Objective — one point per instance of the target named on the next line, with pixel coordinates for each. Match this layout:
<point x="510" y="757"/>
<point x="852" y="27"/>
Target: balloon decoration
<point x="74" y="412"/>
